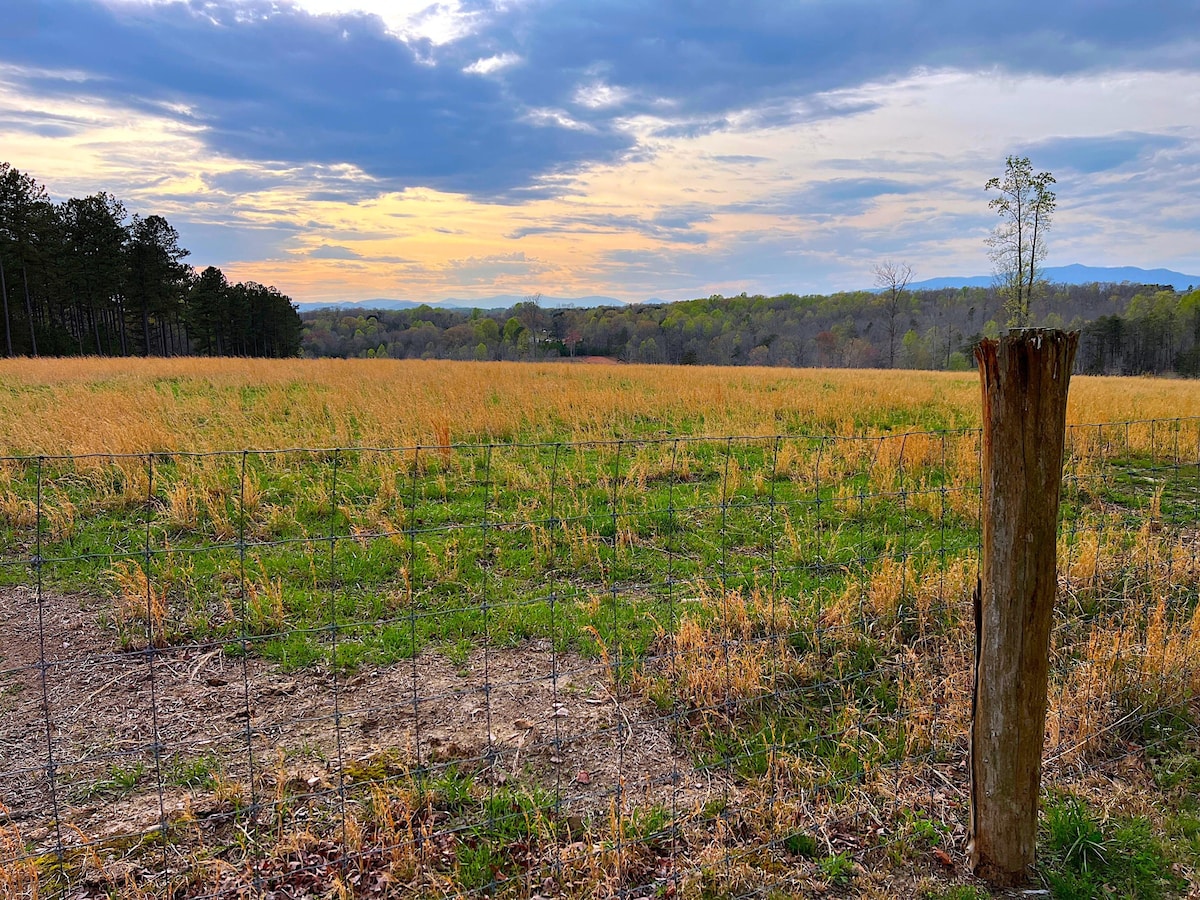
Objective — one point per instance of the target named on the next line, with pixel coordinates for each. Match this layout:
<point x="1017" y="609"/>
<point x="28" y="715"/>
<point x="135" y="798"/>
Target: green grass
<point x="483" y="529"/>
<point x="120" y="781"/>
<point x="1085" y="857"/>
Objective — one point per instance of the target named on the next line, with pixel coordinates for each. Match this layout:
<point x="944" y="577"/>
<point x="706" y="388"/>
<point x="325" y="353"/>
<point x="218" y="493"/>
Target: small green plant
<point x="194" y="773"/>
<point x="452" y="789"/>
<point x="1177" y="770"/>
<point x="647" y="824"/>
<point x="956" y="892"/>
<point x="478" y="864"/>
<point x="801" y="844"/>
<point x="837" y="869"/>
<point x="919" y="827"/>
<point x="121" y="780"/>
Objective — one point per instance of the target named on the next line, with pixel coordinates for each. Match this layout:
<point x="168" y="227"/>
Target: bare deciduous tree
<point x="893" y="279"/>
<point x="529" y="313"/>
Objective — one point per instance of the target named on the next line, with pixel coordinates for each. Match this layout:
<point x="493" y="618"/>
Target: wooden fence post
<point x="1024" y="376"/>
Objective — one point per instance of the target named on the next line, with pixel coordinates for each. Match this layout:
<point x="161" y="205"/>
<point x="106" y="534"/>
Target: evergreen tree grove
<point x="84" y="277"/>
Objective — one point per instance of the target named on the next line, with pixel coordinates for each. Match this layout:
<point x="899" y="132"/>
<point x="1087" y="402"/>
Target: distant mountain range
<point x="1072" y="274"/>
<point x="1076" y="274"/>
<point x="496" y="301"/>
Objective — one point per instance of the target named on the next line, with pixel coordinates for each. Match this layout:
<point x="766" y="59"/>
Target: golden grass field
<point x="76" y="406"/>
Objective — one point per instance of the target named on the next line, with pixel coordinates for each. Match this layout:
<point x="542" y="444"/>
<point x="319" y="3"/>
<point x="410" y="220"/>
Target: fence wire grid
<point x="690" y="666"/>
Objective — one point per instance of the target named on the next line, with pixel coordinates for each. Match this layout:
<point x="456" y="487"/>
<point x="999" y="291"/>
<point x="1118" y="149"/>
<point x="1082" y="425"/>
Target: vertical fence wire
<point x="775" y="639"/>
<point x="43" y="667"/>
<point x="334" y="661"/>
<point x="490" y="761"/>
<point x="156" y="624"/>
<point x="672" y="663"/>
<point x="244" y="649"/>
<point x="552" y="527"/>
<point x="411" y="520"/>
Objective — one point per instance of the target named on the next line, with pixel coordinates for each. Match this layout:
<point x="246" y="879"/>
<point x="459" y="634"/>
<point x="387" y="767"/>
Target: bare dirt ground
<point x="523" y="716"/>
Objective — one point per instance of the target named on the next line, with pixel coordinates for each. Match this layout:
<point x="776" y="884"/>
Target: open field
<point x="76" y="406"/>
<point x="566" y="638"/>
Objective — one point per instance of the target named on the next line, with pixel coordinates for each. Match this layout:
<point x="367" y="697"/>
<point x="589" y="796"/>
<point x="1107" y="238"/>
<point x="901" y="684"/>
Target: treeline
<point x="1126" y="329"/>
<point x="85" y="277"/>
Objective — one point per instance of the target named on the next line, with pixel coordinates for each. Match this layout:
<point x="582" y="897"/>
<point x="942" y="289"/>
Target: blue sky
<point x="347" y="149"/>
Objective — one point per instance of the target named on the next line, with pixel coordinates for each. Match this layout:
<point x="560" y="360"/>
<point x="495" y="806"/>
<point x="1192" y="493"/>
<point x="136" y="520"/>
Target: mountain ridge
<point x="1074" y="273"/>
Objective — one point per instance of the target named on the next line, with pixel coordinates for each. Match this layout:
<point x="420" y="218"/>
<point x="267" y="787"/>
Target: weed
<point x="837" y="869"/>
<point x="956" y="892"/>
<point x="920" y="830"/>
<point x="195" y="772"/>
<point x="19" y="871"/>
<point x="120" y="780"/>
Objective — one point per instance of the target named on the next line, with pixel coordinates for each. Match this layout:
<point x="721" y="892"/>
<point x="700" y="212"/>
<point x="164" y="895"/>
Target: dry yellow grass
<point x="75" y="406"/>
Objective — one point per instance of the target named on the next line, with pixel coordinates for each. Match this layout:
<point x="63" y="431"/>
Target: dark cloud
<point x="704" y="59"/>
<point x="483" y="270"/>
<point x="41" y="129"/>
<point x="1090" y="155"/>
<point x="739" y="159"/>
<point x="45" y="125"/>
<point x="834" y="197"/>
<point x="240" y="241"/>
<point x="674" y="224"/>
<point x="750" y="262"/>
<point x="691" y="129"/>
<point x="271" y="84"/>
<point x="333" y="251"/>
<point x="281" y="86"/>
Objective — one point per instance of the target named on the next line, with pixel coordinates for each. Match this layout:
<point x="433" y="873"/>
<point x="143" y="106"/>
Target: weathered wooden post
<point x="1025" y="376"/>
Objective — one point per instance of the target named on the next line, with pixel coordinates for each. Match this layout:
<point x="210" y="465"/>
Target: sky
<point x="356" y="149"/>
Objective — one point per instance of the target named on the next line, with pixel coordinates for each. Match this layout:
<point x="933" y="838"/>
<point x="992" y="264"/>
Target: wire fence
<point x="676" y="666"/>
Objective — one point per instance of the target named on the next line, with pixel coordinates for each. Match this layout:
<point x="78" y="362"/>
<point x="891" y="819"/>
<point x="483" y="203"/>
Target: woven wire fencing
<point x="656" y="667"/>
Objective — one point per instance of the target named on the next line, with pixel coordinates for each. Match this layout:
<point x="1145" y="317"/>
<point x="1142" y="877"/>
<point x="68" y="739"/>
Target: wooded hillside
<point x="1126" y="329"/>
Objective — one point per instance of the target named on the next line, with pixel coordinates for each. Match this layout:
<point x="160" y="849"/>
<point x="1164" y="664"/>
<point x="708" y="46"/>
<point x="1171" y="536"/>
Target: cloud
<point x="43" y="123"/>
<point x="834" y="197"/>
<point x="494" y="269"/>
<point x="632" y="148"/>
<point x="239" y="242"/>
<point x="1104" y="153"/>
<point x="671" y="224"/>
<point x="702" y="62"/>
<point x="492" y="64"/>
<point x="755" y="263"/>
<point x="321" y="84"/>
<point x="333" y="251"/>
<point x="284" y="87"/>
<point x="739" y="159"/>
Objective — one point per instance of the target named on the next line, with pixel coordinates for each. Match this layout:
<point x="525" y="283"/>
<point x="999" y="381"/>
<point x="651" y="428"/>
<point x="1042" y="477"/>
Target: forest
<point x="1125" y="329"/>
<point x="83" y="277"/>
